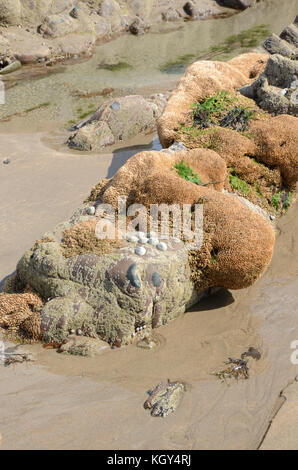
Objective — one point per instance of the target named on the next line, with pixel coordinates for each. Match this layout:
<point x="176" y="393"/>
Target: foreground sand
<point x="67" y="402"/>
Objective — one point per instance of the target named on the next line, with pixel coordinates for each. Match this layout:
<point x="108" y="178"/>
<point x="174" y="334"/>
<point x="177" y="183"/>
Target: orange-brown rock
<point x="204" y="78"/>
<point x="238" y="243"/>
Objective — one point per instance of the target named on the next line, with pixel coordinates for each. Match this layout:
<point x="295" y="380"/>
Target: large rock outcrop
<point x="230" y="228"/>
<point x="108" y="289"/>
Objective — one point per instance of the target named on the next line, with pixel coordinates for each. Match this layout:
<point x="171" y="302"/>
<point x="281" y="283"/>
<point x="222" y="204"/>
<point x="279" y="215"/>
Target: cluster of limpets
<point x="150" y="238"/>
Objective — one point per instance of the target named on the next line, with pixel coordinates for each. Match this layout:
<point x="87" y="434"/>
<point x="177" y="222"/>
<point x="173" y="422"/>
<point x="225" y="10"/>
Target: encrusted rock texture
<point x="118" y="120"/>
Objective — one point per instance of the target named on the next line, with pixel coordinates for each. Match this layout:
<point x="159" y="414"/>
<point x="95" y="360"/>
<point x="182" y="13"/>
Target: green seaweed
<point x="287" y="202"/>
<point x="185" y="172"/>
<point x="238" y="184"/>
<point x="245" y="40"/>
<point x="39" y="106"/>
<point x="276" y="198"/>
<point x="115" y="67"/>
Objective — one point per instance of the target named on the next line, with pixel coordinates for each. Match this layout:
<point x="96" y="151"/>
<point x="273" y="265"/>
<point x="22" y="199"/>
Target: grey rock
<point x="275" y="45"/>
<point x="140" y="251"/>
<point x="290" y="35"/>
<point x="237" y="4"/>
<point x="133" y="277"/>
<point x="156" y="279"/>
<point x="91" y="210"/>
<point x="138" y="26"/>
<point x="16" y="65"/>
<point x="74" y="13"/>
<point x="164" y="399"/>
<point x="170" y="15"/>
<point x="117" y="120"/>
<point x="82" y="346"/>
<point x="275" y="89"/>
<point x="254" y="207"/>
<point x="176" y="147"/>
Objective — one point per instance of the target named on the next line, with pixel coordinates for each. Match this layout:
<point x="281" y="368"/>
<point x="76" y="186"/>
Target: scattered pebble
<point x="141" y="235"/>
<point x="143" y="240"/>
<point x="132" y="238"/>
<point x="91" y="210"/>
<point x="156" y="279"/>
<point x="153" y="241"/>
<point x="272" y="217"/>
<point x="79" y="332"/>
<point x="140" y="250"/>
<point x="162" y="246"/>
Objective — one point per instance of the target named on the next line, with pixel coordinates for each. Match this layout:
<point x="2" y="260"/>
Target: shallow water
<point x="145" y="55"/>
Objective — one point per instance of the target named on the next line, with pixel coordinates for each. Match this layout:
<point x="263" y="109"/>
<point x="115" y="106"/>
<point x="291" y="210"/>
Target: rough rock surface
<point x="205" y="78"/>
<point x="276" y="89"/>
<point x="286" y="44"/>
<point x="118" y="120"/>
<point x="82" y="346"/>
<point x="164" y="399"/>
<point x="262" y="161"/>
<point x="21" y="311"/>
<point x="111" y="294"/>
<point x="107" y="296"/>
<point x="230" y="256"/>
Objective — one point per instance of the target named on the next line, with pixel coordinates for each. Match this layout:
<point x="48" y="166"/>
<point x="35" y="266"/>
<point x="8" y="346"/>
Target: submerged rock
<point x="138" y="27"/>
<point x="165" y="398"/>
<point x="16" y="65"/>
<point x="117" y="120"/>
<point x="82" y="346"/>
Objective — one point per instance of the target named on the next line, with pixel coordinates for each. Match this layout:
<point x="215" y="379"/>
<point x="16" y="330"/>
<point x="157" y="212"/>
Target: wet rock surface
<point x="109" y="296"/>
<point x="82" y="346"/>
<point x="165" y="398"/>
<point x="118" y="120"/>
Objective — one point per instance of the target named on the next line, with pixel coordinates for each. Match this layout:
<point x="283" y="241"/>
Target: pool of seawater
<point x="150" y="63"/>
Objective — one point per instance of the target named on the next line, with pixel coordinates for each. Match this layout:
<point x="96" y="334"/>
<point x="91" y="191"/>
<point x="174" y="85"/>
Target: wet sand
<point x="64" y="402"/>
